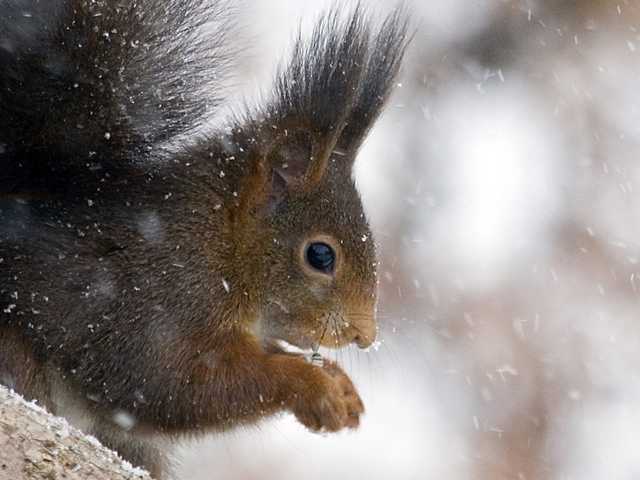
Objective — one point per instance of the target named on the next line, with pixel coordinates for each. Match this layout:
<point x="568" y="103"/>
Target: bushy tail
<point x="106" y="78"/>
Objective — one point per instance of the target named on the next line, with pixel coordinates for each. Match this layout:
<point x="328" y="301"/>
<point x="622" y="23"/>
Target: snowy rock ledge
<point x="35" y="445"/>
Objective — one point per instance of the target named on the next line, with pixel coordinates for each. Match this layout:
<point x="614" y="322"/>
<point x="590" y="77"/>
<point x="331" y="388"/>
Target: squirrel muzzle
<point x="361" y="329"/>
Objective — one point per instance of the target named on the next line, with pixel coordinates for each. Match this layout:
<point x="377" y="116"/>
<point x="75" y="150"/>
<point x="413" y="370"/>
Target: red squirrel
<point x="150" y="264"/>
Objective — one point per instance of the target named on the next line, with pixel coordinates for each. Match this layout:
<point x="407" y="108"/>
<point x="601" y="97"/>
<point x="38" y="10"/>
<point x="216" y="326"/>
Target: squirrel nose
<point x="363" y="342"/>
<point x="364" y="331"/>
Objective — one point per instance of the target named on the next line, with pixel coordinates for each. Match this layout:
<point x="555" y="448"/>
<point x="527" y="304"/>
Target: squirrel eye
<point x="321" y="257"/>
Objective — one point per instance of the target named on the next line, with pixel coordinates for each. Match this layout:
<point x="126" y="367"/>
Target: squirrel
<point x="150" y="264"/>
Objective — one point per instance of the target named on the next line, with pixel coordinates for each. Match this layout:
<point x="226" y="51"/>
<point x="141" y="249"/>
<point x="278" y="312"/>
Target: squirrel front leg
<point x="322" y="398"/>
<point x="239" y="382"/>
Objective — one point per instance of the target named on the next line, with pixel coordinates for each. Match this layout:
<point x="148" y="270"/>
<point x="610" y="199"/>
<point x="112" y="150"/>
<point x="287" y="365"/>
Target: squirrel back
<point x="151" y="265"/>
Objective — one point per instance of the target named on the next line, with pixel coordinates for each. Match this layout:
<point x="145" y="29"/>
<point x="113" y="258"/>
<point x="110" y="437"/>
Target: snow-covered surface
<point x="35" y="444"/>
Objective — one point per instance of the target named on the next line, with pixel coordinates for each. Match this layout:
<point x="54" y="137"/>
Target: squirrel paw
<point x="332" y="407"/>
<point x="350" y="396"/>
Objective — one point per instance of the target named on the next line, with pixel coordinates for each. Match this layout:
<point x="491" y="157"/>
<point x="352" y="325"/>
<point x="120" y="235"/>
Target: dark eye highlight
<point x="321" y="257"/>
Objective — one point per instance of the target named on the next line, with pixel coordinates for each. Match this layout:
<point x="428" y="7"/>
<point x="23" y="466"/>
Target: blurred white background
<point x="502" y="185"/>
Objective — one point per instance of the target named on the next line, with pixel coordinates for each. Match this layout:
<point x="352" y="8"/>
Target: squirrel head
<point x="301" y="218"/>
<point x="299" y="213"/>
<point x="320" y="274"/>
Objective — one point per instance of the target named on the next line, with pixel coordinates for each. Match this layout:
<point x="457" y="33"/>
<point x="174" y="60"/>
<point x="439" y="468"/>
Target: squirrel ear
<point x="297" y="161"/>
<point x="284" y="162"/>
<point x="292" y="156"/>
<point x="327" y="96"/>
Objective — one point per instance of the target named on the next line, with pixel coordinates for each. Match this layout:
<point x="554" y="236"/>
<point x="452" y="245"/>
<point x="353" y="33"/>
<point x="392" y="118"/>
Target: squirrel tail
<point x="107" y="79"/>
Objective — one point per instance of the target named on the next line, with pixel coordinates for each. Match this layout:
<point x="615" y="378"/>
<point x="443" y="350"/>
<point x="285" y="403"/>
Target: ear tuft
<point x="321" y="80"/>
<point x="337" y="82"/>
<point x="382" y="66"/>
